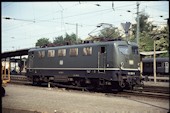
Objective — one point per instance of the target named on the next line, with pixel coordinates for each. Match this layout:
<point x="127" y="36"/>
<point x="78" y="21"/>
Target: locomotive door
<point x="31" y="59"/>
<point x="101" y="59"/>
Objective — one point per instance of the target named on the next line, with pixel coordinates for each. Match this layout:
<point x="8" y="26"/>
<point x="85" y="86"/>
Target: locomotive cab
<point x="128" y="61"/>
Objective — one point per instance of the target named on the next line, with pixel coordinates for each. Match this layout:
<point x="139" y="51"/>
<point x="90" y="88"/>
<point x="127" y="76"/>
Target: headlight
<point x="131" y="62"/>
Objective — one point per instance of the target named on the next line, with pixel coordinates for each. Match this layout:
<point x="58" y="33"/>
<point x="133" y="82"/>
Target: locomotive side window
<point x="41" y="54"/>
<point x="123" y="49"/>
<point x="87" y="51"/>
<point x="102" y="50"/>
<point x="73" y="52"/>
<point x="61" y="52"/>
<point x="51" y="53"/>
<point x="135" y="50"/>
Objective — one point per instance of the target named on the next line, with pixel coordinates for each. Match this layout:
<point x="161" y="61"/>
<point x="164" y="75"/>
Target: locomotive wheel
<point x="77" y="83"/>
<point x="36" y="81"/>
<point x="118" y="87"/>
<point x="2" y="92"/>
<point x="128" y="86"/>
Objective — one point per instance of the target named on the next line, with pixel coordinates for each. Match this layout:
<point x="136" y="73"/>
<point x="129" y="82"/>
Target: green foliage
<point x="132" y="38"/>
<point x="162" y="42"/>
<point x="164" y="54"/>
<point x="58" y="40"/>
<point x="70" y="38"/>
<point x="147" y="31"/>
<point x="146" y="42"/>
<point x="145" y="26"/>
<point x="42" y="42"/>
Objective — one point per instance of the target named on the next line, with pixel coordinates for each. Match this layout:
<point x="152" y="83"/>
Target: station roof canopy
<point x="152" y="52"/>
<point x="19" y="52"/>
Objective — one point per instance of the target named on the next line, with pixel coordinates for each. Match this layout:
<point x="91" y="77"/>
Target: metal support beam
<point x="141" y="66"/>
<point x="154" y="64"/>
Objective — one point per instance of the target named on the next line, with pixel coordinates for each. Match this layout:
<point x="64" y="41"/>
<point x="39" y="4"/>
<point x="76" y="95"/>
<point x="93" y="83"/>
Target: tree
<point x="42" y="42"/>
<point x="162" y="43"/>
<point x="147" y="31"/>
<point x="68" y="39"/>
<point x="146" y="42"/>
<point x="145" y="26"/>
<point x="71" y="39"/>
<point x="58" y="40"/>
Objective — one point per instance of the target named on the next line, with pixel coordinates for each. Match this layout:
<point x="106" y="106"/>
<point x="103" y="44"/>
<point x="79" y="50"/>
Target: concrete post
<point x="154" y="64"/>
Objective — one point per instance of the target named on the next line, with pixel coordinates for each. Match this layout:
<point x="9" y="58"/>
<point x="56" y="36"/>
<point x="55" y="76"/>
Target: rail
<point x="146" y="94"/>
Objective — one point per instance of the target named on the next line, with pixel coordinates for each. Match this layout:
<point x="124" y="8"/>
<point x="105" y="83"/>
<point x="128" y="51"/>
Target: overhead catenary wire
<point x="54" y="20"/>
<point x="33" y="36"/>
<point x="35" y="21"/>
<point x="82" y="14"/>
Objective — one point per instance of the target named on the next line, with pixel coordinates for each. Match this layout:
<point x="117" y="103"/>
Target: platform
<point x="45" y="100"/>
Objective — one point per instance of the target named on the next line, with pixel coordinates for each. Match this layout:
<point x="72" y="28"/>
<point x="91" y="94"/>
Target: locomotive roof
<point x="85" y="44"/>
<point x="165" y="59"/>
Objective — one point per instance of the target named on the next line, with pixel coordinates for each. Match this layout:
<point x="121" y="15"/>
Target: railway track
<point x="146" y="94"/>
<point x="147" y="91"/>
<point x="157" y="89"/>
<point x="19" y="79"/>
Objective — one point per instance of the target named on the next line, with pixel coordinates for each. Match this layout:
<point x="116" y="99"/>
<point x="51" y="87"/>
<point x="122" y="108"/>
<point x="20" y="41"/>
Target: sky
<point x="31" y="21"/>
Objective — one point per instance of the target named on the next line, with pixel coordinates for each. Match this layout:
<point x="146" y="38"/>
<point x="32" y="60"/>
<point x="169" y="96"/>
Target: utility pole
<point x="76" y="33"/>
<point x="138" y="26"/>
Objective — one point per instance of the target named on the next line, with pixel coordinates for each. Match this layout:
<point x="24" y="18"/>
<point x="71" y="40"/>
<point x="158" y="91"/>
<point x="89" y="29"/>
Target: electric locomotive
<point x="111" y="64"/>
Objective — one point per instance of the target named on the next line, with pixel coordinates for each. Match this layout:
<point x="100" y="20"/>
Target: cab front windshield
<point x="123" y="49"/>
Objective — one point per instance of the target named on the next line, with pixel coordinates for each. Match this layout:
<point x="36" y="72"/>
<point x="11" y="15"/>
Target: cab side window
<point x="135" y="50"/>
